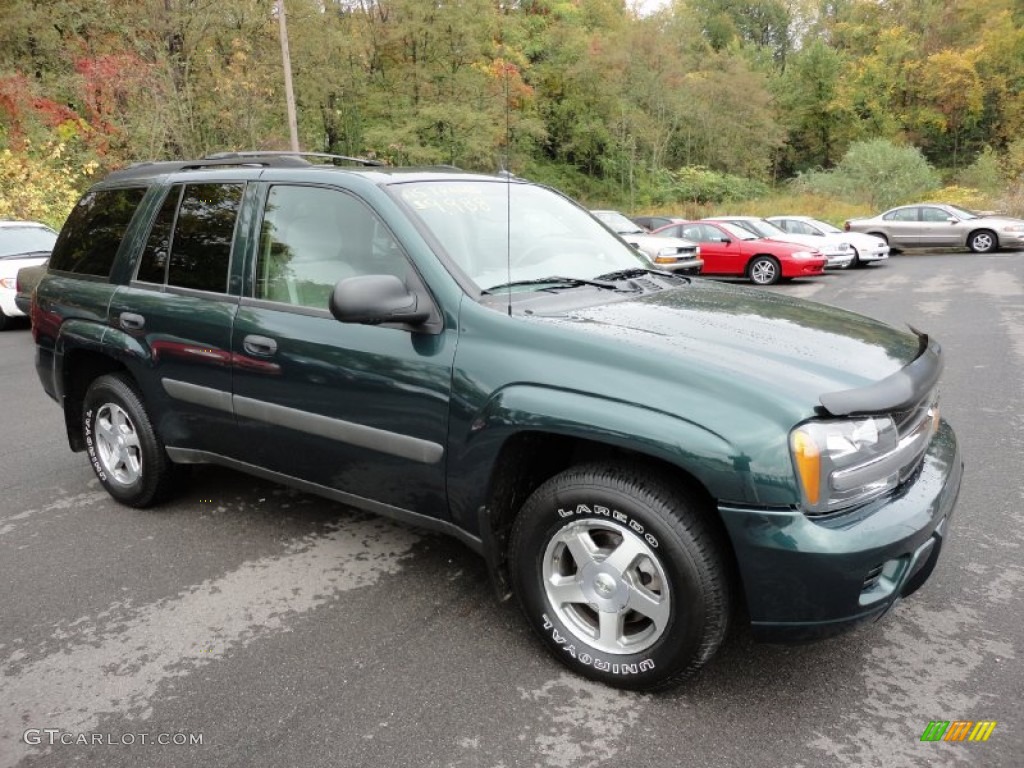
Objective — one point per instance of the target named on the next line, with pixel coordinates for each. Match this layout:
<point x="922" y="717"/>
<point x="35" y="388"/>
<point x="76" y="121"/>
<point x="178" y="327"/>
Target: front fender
<point x="527" y="408"/>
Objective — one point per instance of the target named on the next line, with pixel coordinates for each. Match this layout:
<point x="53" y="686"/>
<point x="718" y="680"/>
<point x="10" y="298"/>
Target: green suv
<point x="636" y="454"/>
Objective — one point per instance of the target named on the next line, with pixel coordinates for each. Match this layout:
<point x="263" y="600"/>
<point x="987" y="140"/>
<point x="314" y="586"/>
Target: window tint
<point x="93" y="232"/>
<point x="153" y="265"/>
<point x="201" y="245"/>
<point x="313" y="237"/>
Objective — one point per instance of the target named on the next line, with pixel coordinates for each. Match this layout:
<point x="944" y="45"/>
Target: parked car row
<point x="762" y="250"/>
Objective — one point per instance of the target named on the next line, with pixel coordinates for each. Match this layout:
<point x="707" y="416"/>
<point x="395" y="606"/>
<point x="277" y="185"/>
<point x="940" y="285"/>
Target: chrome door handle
<point x="131" y="321"/>
<point x="259" y="346"/>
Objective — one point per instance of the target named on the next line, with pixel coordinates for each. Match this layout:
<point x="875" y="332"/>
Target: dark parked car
<point x="635" y="453"/>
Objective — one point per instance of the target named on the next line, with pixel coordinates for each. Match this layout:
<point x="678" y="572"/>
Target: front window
<point x="961" y="213"/>
<point x="825" y="228"/>
<point x="500" y="232"/>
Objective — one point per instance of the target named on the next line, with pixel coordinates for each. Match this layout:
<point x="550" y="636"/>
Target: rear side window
<point x="189" y="245"/>
<point x="93" y="232"/>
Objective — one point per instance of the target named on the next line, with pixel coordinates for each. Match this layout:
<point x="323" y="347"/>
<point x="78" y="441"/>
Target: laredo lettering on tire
<point x="125" y="452"/>
<point x="620" y="574"/>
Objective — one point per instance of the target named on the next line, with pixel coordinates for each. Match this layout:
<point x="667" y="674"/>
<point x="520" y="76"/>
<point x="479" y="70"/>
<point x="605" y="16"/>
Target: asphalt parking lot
<point x="277" y="628"/>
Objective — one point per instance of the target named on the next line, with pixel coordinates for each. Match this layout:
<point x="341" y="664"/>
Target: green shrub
<point x="877" y="173"/>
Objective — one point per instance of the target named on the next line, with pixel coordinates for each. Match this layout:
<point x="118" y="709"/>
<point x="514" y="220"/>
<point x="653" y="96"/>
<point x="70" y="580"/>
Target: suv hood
<point x="758" y="340"/>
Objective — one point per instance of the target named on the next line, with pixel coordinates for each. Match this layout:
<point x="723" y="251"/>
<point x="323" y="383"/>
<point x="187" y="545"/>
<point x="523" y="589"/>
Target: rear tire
<point x="856" y="263"/>
<point x="126" y="454"/>
<point x="621" y="575"/>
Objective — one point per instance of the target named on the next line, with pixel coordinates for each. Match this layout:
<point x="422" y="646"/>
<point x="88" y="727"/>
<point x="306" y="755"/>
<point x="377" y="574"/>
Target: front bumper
<point x="806" y="578"/>
<point x="691" y="266"/>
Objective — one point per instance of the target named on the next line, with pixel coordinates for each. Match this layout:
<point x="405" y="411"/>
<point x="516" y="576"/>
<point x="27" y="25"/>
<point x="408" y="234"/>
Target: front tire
<point x="126" y="454"/>
<point x="982" y="241"/>
<point x="856" y="263"/>
<point x="764" y="270"/>
<point x="622" y="577"/>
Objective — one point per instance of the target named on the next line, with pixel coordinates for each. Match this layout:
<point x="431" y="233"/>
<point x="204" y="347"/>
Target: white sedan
<point x="866" y="248"/>
<point x="22" y="244"/>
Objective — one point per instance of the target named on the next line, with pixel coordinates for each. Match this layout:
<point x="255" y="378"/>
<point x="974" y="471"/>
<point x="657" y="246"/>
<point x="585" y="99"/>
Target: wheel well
<point x="529" y="459"/>
<point x="983" y="229"/>
<point x="82" y="368"/>
<point x="880" y="235"/>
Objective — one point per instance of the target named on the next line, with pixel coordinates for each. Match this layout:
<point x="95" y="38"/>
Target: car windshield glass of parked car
<point x="962" y="213"/>
<point x="618" y="222"/>
<point x="499" y="233"/>
<point x="760" y="228"/>
<point x="17" y="241"/>
<point x="737" y="232"/>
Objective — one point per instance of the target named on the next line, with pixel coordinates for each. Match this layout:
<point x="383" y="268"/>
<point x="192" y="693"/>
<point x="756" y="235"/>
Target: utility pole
<point x="289" y="93"/>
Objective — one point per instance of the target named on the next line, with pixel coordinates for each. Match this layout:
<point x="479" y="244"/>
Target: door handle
<point x="131" y="321"/>
<point x="260" y="346"/>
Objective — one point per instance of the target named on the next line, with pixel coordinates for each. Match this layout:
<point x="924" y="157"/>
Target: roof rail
<point x="244" y="159"/>
<point x="269" y="154"/>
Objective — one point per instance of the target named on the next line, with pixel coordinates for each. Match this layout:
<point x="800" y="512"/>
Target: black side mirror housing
<point x="376" y="299"/>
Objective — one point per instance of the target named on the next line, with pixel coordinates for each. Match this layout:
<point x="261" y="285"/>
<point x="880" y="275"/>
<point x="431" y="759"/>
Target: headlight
<point x="666" y="252"/>
<point x="843" y="462"/>
<point x="1014" y="228"/>
<point x="805" y="255"/>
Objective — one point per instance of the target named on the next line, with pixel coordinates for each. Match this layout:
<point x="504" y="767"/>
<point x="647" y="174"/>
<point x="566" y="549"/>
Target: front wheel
<point x="764" y="270"/>
<point x="982" y="241"/>
<point x="855" y="262"/>
<point x="621" y="575"/>
<point x="126" y="453"/>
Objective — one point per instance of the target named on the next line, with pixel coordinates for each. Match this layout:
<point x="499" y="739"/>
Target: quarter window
<point x="93" y="232"/>
<point x="312" y="237"/>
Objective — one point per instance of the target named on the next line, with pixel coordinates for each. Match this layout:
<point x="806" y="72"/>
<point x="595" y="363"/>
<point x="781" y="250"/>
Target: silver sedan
<point x="936" y="225"/>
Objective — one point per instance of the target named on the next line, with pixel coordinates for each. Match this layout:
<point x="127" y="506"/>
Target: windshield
<point x="618" y="222"/>
<point x="550" y="235"/>
<point x="825" y="227"/>
<point x="28" y="239"/>
<point x="759" y="227"/>
<point x="738" y="232"/>
<point x="961" y="213"/>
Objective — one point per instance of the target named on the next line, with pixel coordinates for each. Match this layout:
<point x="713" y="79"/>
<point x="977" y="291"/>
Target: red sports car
<point x="731" y="250"/>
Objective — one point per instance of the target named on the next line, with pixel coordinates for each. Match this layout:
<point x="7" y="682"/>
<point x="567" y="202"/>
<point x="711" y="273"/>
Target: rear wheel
<point x="621" y="575"/>
<point x="764" y="270"/>
<point x="126" y="453"/>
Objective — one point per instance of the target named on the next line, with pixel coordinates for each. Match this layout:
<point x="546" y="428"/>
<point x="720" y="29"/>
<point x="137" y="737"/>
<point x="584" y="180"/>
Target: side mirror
<point x="953" y="220"/>
<point x="375" y="299"/>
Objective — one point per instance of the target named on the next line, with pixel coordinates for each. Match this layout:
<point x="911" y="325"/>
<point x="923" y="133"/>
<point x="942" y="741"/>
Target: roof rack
<point x="269" y="159"/>
<point x="257" y="155"/>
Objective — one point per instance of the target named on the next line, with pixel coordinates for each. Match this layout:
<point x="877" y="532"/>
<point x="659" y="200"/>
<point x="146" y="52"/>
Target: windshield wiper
<point x="625" y="274"/>
<point x="554" y="282"/>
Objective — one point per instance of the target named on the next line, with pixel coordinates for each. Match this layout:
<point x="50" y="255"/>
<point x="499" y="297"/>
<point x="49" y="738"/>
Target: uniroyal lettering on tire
<point x="125" y="452"/>
<point x="622" y="575"/>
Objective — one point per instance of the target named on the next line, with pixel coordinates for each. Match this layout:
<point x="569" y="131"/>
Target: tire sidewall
<point x="548" y="512"/>
<point x="775" y="265"/>
<point x="113" y="391"/>
<point x="974" y="239"/>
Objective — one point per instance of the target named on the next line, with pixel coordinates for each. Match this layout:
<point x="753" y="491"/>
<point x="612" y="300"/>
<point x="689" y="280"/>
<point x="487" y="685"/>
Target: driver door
<point x="359" y="409"/>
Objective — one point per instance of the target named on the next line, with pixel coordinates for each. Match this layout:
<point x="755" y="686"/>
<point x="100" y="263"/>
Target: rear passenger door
<point x="358" y="409"/>
<point x="176" y="315"/>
